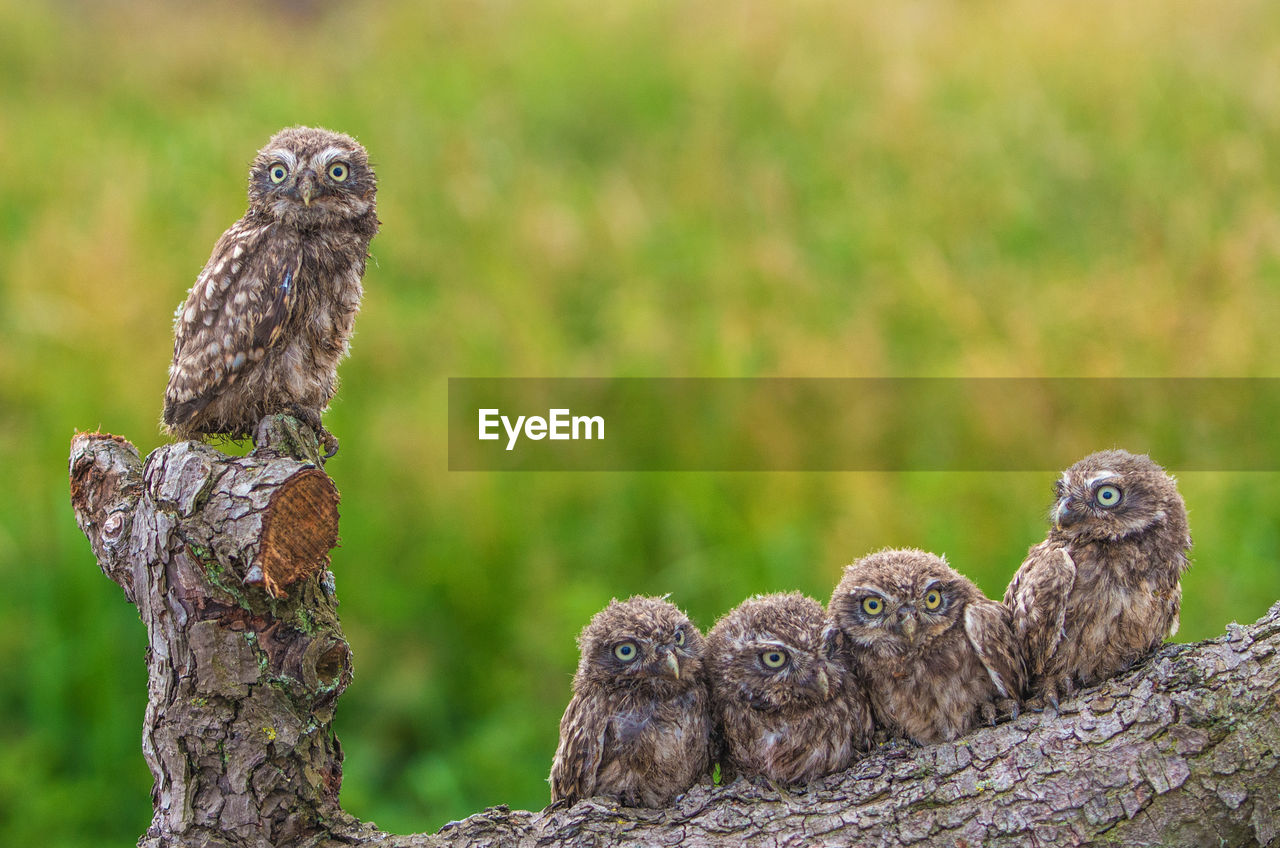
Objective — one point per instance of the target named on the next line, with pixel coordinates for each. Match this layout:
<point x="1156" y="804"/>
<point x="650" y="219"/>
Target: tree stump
<point x="226" y="559"/>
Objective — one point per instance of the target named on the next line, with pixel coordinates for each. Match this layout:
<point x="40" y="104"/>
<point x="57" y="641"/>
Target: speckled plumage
<point x="787" y="706"/>
<point x="636" y="729"/>
<point x="931" y="674"/>
<point x="270" y="316"/>
<point x="1102" y="591"/>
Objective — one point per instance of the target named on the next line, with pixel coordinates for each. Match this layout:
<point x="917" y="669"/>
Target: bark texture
<point x="244" y="676"/>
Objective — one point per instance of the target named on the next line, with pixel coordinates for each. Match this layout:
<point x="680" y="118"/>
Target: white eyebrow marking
<point x="285" y="156"/>
<point x="1100" y="476"/>
<point x="324" y="157"/>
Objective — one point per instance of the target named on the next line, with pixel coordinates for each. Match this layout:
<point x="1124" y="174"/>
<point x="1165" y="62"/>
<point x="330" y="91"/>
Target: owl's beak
<point x="909" y="627"/>
<point x="674" y="664"/>
<point x="824" y="685"/>
<point x="1063" y="514"/>
<point x="307" y="187"/>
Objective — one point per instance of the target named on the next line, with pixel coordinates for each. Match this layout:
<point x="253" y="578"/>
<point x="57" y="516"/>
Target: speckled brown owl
<point x="638" y="726"/>
<point x="936" y="655"/>
<point x="269" y="317"/>
<point x="1102" y="591"/>
<point x="787" y="706"/>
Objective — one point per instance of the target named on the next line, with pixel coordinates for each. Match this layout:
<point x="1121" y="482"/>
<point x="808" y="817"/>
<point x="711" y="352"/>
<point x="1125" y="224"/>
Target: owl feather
<point x="935" y="654"/>
<point x="788" y="708"/>
<point x="1103" y="590"/>
<point x="638" y="726"/>
<point x="271" y="314"/>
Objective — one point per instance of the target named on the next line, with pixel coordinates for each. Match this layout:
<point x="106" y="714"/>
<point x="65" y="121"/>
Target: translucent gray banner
<point x="892" y="424"/>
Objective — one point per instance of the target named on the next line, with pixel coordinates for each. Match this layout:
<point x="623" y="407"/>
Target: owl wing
<point x="1037" y="601"/>
<point x="580" y="752"/>
<point x="236" y="310"/>
<point x="989" y="628"/>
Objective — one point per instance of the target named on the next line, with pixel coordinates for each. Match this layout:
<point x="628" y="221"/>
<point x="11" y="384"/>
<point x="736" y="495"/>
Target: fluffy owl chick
<point x="269" y="317"/>
<point x="935" y="654"/>
<point x="639" y="725"/>
<point x="787" y="705"/>
<point x="1102" y="590"/>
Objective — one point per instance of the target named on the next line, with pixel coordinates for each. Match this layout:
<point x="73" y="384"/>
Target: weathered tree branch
<point x="244" y="676"/>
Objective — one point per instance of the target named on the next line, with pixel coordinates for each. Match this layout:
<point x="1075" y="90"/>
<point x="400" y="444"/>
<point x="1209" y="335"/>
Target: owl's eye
<point x="679" y="638"/>
<point x="932" y="599"/>
<point x="774" y="659"/>
<point x="338" y="171"/>
<point x="872" y="606"/>
<point x="278" y="172"/>
<point x="625" y="651"/>
<point x="1108" y="496"/>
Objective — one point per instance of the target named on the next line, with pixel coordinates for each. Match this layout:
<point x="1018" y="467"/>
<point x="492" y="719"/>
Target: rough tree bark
<point x="227" y="561"/>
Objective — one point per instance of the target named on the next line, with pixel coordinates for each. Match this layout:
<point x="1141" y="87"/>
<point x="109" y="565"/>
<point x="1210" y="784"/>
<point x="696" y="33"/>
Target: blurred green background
<point x="631" y="188"/>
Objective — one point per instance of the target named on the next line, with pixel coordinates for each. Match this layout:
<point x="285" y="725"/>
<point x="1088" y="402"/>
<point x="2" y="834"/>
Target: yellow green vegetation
<point x="632" y="188"/>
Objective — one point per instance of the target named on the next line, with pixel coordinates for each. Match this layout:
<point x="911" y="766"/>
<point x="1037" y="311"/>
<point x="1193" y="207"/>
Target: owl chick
<point x="787" y="705"/>
<point x="269" y="317"/>
<point x="1102" y="591"/>
<point x="639" y="725"/>
<point x="934" y="653"/>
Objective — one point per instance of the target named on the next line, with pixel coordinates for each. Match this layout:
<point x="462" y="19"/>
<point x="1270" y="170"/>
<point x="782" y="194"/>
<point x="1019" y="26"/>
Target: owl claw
<point x="990" y="713"/>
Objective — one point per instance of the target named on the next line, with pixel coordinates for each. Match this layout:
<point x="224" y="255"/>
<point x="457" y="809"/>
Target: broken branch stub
<point x="299" y="528"/>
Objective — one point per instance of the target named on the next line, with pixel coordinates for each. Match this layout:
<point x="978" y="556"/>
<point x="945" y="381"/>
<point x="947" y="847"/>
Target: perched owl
<point x="786" y="703"/>
<point x="1102" y="590"/>
<point x="639" y="724"/>
<point x="935" y="654"/>
<point x="270" y="316"/>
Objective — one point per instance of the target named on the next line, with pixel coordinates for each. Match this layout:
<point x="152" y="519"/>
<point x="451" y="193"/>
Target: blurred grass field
<point x="631" y="188"/>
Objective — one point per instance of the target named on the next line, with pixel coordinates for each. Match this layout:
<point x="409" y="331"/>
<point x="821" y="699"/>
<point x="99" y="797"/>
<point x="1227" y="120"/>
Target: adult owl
<point x="787" y="706"/>
<point x="638" y="726"/>
<point x="936" y="655"/>
<point x="269" y="317"/>
<point x="1102" y="591"/>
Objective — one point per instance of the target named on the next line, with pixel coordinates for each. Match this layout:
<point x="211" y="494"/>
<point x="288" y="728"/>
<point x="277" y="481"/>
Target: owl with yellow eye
<point x="936" y="655"/>
<point x="638" y="727"/>
<point x="271" y="315"/>
<point x="786" y="704"/>
<point x="1103" y="590"/>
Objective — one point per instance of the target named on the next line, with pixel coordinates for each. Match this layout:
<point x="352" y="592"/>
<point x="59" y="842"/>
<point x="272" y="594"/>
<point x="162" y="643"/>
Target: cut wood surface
<point x="226" y="559"/>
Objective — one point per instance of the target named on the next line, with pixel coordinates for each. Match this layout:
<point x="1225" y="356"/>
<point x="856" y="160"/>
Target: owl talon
<point x="990" y="713"/>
